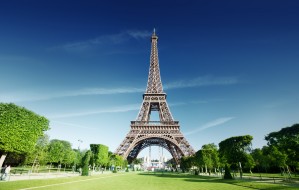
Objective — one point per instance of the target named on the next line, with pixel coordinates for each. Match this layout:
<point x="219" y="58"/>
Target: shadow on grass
<point x="208" y="179"/>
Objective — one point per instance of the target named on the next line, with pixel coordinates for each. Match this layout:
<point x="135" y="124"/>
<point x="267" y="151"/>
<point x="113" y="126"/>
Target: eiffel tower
<point x="144" y="132"/>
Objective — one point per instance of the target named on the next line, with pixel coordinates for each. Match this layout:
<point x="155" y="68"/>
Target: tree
<point x="70" y="157"/>
<point x="55" y="151"/>
<point x="276" y="158"/>
<point x="39" y="152"/>
<point x="227" y="174"/>
<point x="117" y="161"/>
<point x="186" y="163"/>
<point x="210" y="156"/>
<point x="249" y="162"/>
<point x="199" y="160"/>
<point x="287" y="142"/>
<point x="137" y="161"/>
<point x="103" y="155"/>
<point x="234" y="150"/>
<point x="19" y="129"/>
<point x="61" y="152"/>
<point x="78" y="157"/>
<point x="100" y="154"/>
<point x="262" y="161"/>
<point x="85" y="163"/>
<point x="207" y="157"/>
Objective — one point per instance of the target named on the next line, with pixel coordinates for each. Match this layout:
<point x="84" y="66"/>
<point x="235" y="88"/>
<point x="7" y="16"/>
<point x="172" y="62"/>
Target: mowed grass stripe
<point x="70" y="182"/>
<point x="144" y="181"/>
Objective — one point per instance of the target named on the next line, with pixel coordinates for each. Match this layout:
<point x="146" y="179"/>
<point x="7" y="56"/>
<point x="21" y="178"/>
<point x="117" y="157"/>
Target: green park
<point x="41" y="163"/>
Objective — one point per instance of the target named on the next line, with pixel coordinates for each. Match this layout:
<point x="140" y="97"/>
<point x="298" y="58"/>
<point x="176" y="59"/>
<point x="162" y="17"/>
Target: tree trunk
<point x="206" y="168"/>
<point x="3" y="156"/>
<point x="50" y="167"/>
<point x="241" y="172"/>
<point x="289" y="172"/>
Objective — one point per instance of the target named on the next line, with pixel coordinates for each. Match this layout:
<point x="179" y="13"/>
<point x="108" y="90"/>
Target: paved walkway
<point x="16" y="177"/>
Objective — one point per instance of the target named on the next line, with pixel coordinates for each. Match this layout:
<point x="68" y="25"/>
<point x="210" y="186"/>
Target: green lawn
<point x="271" y="175"/>
<point x="143" y="181"/>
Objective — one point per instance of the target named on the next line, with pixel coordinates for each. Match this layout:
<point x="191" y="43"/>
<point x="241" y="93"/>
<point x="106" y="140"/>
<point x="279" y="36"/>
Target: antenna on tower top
<point x="154" y="31"/>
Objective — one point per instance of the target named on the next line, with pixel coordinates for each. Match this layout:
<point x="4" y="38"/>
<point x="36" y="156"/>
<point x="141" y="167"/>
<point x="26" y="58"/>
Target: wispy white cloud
<point x="125" y="108"/>
<point x="104" y="40"/>
<point x="39" y="96"/>
<point x="101" y="91"/>
<point x="31" y="96"/>
<point x="139" y="34"/>
<point x="214" y="123"/>
<point x="202" y="81"/>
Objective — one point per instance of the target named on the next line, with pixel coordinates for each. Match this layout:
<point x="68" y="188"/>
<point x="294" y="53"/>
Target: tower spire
<point x="146" y="132"/>
<point x="154" y="84"/>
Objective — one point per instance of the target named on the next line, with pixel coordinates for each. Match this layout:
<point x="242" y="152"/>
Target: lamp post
<point x="80" y="141"/>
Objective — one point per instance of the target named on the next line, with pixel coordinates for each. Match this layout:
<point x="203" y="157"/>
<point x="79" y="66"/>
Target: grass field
<point x="143" y="181"/>
<point x="271" y="175"/>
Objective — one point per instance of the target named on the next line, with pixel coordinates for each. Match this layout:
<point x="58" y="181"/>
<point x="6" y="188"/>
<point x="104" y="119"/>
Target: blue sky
<point x="228" y="67"/>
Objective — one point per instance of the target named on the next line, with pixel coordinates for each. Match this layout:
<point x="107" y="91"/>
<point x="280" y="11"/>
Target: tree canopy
<point x="234" y="148"/>
<point x="19" y="129"/>
<point x="207" y="157"/>
<point x="287" y="142"/>
<point x="60" y="151"/>
<point x="100" y="154"/>
<point x="234" y="151"/>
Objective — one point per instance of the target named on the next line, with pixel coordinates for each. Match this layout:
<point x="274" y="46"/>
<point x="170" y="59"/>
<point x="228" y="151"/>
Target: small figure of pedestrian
<point x="3" y="172"/>
<point x="6" y="172"/>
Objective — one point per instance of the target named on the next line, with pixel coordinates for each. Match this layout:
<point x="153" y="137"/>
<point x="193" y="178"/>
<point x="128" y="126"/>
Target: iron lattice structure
<point x="144" y="132"/>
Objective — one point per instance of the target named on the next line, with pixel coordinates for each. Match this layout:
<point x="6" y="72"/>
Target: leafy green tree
<point x="207" y="157"/>
<point x="137" y="161"/>
<point x="211" y="156"/>
<point x="117" y="161"/>
<point x="100" y="154"/>
<point x="19" y="129"/>
<point x="61" y="152"/>
<point x="199" y="160"/>
<point x="70" y="157"/>
<point x="262" y="161"/>
<point x="125" y="163"/>
<point x="287" y="142"/>
<point x="249" y="162"/>
<point x="40" y="151"/>
<point x="276" y="158"/>
<point x="186" y="163"/>
<point x="78" y="157"/>
<point x="85" y="163"/>
<point x="257" y="155"/>
<point x="55" y="151"/>
<point x="103" y="155"/>
<point x="234" y="150"/>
